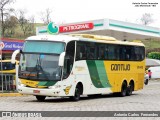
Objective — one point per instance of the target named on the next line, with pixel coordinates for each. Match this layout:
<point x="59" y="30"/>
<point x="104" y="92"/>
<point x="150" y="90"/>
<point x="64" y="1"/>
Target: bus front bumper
<point x="39" y="91"/>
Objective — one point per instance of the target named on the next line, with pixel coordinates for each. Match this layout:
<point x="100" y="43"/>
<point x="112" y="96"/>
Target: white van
<point x="155" y="72"/>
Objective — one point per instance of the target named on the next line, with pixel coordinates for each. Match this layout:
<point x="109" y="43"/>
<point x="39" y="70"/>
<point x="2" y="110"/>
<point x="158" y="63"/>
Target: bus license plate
<point x="36" y="91"/>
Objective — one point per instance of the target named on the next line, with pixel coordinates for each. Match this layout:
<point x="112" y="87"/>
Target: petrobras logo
<point x="52" y="28"/>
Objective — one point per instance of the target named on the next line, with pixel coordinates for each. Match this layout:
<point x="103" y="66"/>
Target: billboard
<point x="12" y="45"/>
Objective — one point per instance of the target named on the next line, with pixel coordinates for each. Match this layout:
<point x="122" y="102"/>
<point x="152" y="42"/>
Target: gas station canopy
<point x="108" y="27"/>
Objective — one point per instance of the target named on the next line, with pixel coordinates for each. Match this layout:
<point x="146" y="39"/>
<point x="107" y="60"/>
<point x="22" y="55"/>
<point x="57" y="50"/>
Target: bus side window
<point x="128" y="52"/>
<point x="122" y="54"/>
<point x="91" y="53"/>
<point x="78" y="53"/>
<point x="81" y="51"/>
<point x="13" y="66"/>
<point x="69" y="58"/>
<point x="101" y="52"/>
<point x="140" y="53"/>
<point x="112" y="54"/>
<point x="106" y="52"/>
<point x="4" y="66"/>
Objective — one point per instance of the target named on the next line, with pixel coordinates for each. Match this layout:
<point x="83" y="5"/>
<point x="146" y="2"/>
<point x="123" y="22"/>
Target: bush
<point x="154" y="55"/>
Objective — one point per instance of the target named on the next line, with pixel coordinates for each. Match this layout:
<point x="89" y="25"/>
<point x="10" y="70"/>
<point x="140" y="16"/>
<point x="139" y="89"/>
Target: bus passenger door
<point x="69" y="60"/>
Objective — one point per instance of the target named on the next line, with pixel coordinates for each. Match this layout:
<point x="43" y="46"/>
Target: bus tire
<point x="123" y="89"/>
<point x="40" y="98"/>
<point x="77" y="93"/>
<point x="146" y="82"/>
<point x="130" y="88"/>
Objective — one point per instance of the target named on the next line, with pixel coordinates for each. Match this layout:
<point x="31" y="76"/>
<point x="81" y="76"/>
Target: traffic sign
<point x="1" y="45"/>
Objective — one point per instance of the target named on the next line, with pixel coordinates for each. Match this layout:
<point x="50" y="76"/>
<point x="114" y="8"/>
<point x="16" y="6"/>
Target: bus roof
<point x="106" y="39"/>
<point x="83" y="37"/>
<point x="60" y="38"/>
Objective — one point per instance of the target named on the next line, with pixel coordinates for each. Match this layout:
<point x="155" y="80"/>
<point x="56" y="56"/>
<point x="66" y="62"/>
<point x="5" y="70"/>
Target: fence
<point x="7" y="83"/>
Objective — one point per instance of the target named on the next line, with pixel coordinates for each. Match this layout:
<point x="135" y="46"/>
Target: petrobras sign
<point x="54" y="29"/>
<point x="76" y="27"/>
<point x="12" y="45"/>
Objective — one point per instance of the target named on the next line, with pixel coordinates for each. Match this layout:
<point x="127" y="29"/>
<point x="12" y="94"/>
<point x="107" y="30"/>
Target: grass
<point x="150" y="44"/>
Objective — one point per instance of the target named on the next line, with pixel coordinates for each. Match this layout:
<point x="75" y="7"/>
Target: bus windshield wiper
<point x="37" y="69"/>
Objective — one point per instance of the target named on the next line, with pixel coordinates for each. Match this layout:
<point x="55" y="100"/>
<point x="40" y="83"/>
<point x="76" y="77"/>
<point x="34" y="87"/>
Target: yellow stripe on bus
<point x="31" y="83"/>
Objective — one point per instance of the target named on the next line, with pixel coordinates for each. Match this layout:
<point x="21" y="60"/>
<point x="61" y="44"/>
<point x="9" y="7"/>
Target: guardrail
<point x="7" y="83"/>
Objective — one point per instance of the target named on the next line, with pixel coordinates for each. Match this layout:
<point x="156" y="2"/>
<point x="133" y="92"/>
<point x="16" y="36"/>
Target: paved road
<point x="146" y="99"/>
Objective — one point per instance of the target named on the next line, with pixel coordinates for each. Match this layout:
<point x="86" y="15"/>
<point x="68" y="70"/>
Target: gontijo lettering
<point x="120" y="67"/>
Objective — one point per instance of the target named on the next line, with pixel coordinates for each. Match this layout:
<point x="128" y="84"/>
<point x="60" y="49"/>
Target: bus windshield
<point x="39" y="61"/>
<point x="44" y="47"/>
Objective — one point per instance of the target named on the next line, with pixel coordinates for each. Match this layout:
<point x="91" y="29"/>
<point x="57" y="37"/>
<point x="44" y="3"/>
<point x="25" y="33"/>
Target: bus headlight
<point x="23" y="85"/>
<point x="19" y="83"/>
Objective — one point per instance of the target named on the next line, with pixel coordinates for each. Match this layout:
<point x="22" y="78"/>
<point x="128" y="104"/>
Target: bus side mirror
<point x="61" y="59"/>
<point x="13" y="58"/>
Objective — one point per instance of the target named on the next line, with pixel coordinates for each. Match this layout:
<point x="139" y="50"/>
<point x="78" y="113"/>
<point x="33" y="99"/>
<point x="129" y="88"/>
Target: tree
<point x="154" y="55"/>
<point x="146" y="19"/>
<point x="46" y="16"/>
<point x="23" y="21"/>
<point x="4" y="11"/>
<point x="32" y="26"/>
<point x="9" y="26"/>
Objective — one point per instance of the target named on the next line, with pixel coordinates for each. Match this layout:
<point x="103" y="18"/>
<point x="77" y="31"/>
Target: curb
<point x="10" y="94"/>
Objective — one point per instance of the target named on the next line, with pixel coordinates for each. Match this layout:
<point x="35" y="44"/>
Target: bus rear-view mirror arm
<point x="61" y="59"/>
<point x="13" y="58"/>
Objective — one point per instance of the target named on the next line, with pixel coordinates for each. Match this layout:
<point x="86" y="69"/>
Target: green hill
<point x="18" y="32"/>
<point x="152" y="45"/>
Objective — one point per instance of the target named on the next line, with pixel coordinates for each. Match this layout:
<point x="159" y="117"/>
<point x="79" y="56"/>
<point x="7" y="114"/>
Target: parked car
<point x="155" y="71"/>
<point x="146" y="79"/>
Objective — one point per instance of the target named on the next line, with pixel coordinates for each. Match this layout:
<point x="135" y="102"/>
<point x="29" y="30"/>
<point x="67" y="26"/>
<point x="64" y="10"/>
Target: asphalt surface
<point x="147" y="99"/>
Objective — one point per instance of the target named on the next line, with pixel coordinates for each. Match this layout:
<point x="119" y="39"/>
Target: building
<point x="10" y="45"/>
<point x="108" y="27"/>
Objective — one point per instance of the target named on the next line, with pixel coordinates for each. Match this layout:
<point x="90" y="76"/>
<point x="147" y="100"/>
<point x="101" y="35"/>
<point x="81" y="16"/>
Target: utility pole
<point x="1" y="47"/>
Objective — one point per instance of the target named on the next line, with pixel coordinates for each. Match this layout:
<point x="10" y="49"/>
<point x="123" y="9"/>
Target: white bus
<point x="75" y="65"/>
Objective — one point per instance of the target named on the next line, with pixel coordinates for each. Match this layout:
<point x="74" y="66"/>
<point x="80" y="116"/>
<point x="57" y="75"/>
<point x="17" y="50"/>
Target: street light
<point x="1" y="47"/>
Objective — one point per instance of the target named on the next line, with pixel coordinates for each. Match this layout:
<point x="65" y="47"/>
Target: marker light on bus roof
<point x="44" y="38"/>
<point x="95" y="37"/>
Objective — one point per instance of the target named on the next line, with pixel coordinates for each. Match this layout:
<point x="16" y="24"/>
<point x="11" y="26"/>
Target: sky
<point x="68" y="11"/>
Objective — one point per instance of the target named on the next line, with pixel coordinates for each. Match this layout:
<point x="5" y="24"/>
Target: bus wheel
<point x="77" y="94"/>
<point x="123" y="89"/>
<point x="40" y="98"/>
<point x="130" y="89"/>
<point x="146" y="82"/>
